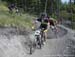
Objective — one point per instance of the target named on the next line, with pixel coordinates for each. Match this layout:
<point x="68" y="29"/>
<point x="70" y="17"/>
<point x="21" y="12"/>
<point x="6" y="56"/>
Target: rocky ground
<point x="13" y="43"/>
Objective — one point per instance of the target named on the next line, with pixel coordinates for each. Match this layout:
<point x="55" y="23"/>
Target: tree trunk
<point x="74" y="1"/>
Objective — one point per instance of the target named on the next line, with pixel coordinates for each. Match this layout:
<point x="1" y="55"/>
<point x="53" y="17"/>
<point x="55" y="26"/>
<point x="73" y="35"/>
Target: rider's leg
<point x="45" y="36"/>
<point x="45" y="33"/>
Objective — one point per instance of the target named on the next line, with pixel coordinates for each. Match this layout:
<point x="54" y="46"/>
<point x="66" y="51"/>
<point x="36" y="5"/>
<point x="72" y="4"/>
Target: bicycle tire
<point x="40" y="46"/>
<point x="30" y="50"/>
<point x="42" y="38"/>
<point x="39" y="43"/>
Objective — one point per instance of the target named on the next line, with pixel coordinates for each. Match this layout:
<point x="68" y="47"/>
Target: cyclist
<point x="53" y="25"/>
<point x="11" y="7"/>
<point x="44" y="23"/>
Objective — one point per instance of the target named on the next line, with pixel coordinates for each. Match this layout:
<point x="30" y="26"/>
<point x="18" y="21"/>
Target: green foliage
<point x="37" y="6"/>
<point x="54" y="16"/>
<point x="7" y="19"/>
<point x="55" y="8"/>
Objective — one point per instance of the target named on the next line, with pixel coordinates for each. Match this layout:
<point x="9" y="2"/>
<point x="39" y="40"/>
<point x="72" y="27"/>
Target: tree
<point x="74" y="1"/>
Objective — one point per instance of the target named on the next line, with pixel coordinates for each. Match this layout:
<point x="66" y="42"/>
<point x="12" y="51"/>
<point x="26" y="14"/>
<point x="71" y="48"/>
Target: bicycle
<point x="36" y="41"/>
<point x="38" y="38"/>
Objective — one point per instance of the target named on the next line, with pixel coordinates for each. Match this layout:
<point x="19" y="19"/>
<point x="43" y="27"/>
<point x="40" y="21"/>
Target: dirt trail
<point x="57" y="47"/>
<point x="12" y="44"/>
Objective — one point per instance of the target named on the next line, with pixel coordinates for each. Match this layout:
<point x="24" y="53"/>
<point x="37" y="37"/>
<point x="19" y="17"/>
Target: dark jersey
<point x="44" y="20"/>
<point x="44" y="23"/>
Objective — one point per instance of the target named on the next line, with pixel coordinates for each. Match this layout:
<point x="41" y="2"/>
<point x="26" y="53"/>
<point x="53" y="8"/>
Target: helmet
<point x="43" y="15"/>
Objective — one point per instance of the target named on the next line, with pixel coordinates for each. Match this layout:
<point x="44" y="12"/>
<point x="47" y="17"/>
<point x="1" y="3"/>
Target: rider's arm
<point x="48" y="27"/>
<point x="36" y="23"/>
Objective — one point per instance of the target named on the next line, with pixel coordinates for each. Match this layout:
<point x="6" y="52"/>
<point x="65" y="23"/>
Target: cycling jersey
<point x="44" y="23"/>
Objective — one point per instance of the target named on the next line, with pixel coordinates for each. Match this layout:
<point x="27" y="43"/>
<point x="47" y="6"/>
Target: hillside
<point x="7" y="19"/>
<point x="12" y="40"/>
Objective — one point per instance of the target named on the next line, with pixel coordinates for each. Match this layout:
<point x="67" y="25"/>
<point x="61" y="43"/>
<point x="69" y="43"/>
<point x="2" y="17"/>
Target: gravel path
<point x="57" y="47"/>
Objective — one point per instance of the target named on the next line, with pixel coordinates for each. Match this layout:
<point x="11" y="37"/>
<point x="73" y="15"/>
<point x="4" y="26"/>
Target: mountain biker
<point x="53" y="24"/>
<point x="11" y="7"/>
<point x="44" y="23"/>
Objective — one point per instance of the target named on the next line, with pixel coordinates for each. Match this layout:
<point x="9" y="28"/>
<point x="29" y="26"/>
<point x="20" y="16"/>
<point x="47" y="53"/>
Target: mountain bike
<point x="38" y="38"/>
